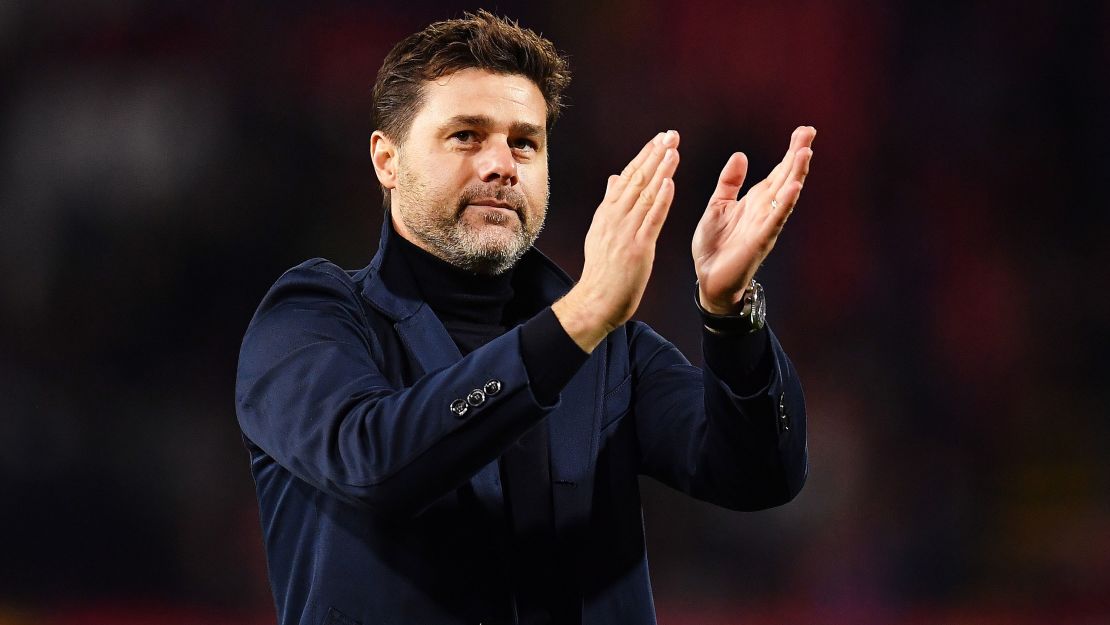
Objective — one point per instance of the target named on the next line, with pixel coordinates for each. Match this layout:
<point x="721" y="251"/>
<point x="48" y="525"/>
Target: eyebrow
<point x="484" y="121"/>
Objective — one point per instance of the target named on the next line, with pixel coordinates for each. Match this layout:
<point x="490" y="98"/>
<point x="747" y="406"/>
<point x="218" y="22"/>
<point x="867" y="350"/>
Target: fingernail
<point x="658" y="139"/>
<point x="668" y="155"/>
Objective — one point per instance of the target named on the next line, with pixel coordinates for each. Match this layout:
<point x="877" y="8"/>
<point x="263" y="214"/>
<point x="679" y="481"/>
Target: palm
<point x="735" y="235"/>
<point x="725" y="243"/>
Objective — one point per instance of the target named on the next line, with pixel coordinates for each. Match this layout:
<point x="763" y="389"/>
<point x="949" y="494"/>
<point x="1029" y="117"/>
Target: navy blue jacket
<point x="380" y="504"/>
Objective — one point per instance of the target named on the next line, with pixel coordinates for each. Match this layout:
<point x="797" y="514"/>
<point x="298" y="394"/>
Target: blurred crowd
<point x="941" y="287"/>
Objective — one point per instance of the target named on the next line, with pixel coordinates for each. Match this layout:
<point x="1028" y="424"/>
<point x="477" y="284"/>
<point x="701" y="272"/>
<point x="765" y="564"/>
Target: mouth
<point x="496" y="212"/>
<point x="493" y="204"/>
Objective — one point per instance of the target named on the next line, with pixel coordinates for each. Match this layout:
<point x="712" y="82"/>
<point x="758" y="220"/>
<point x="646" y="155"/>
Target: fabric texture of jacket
<point x="381" y="504"/>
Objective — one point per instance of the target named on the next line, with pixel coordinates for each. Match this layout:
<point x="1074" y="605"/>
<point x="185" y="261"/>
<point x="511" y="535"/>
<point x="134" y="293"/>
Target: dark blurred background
<point x="941" y="287"/>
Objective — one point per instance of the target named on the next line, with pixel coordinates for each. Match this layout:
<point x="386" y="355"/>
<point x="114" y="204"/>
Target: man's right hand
<point x="620" y="246"/>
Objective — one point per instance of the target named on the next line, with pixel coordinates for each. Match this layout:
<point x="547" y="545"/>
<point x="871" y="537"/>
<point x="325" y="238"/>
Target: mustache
<point x="501" y="193"/>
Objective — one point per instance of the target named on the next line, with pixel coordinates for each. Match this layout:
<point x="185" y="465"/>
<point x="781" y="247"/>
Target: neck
<point x="456" y="294"/>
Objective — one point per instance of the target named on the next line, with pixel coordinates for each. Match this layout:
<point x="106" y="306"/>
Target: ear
<point x="383" y="153"/>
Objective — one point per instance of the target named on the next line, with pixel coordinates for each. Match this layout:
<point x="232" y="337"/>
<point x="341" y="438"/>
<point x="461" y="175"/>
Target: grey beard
<point x="452" y="242"/>
<point x="443" y="233"/>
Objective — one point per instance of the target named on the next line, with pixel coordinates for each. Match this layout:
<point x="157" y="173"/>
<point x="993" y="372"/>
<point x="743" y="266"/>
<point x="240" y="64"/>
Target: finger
<point x="800" y="169"/>
<point x="664" y="139"/>
<point x="618" y="185"/>
<point x="639" y="179"/>
<point x="802" y="137"/>
<point x="786" y="197"/>
<point x="778" y="174"/>
<point x="786" y="200"/>
<point x="671" y="139"/>
<point x="731" y="179"/>
<point x="644" y="151"/>
<point x="667" y="166"/>
<point x="612" y="180"/>
<point x="657" y="214"/>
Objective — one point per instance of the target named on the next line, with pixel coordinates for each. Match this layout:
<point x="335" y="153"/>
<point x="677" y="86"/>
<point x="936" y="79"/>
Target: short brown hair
<point x="477" y="40"/>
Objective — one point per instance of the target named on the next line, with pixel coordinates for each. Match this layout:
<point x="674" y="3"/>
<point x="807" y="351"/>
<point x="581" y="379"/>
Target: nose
<point x="496" y="164"/>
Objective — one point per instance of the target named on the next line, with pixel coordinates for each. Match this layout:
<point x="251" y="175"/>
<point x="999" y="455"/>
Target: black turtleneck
<point x="476" y="309"/>
<point x="471" y="306"/>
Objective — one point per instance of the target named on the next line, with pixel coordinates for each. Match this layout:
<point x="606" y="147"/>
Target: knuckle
<point x="647" y="196"/>
<point x="638" y="178"/>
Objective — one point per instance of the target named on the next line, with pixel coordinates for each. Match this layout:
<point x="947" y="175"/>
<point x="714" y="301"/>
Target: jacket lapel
<point x="431" y="347"/>
<point x="427" y="341"/>
<point x="391" y="288"/>
<point x="574" y="429"/>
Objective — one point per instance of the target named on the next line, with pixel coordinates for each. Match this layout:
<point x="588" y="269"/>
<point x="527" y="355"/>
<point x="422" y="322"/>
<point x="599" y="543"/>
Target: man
<point x="453" y="434"/>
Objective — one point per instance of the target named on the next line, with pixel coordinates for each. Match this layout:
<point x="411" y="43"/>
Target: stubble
<point x="436" y="219"/>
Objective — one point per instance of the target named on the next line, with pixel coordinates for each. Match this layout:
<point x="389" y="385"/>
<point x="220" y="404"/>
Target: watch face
<point x="759" y="307"/>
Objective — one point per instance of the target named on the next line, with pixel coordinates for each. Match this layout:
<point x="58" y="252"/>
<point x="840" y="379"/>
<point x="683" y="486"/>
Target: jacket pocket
<point x="618" y="402"/>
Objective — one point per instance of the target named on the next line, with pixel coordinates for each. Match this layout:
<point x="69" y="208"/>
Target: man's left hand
<point x="734" y="236"/>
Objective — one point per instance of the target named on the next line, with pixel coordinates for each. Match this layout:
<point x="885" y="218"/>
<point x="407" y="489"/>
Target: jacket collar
<point x="389" y="286"/>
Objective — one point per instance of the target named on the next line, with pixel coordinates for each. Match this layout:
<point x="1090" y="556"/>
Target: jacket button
<point x="476" y="398"/>
<point x="492" y="387"/>
<point x="459" y="407"/>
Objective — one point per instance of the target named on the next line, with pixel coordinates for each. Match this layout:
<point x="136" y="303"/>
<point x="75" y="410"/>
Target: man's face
<point x="471" y="183"/>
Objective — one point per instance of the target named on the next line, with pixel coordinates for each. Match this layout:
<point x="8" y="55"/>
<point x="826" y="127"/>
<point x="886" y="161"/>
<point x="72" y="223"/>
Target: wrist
<point x="750" y="318"/>
<point x="581" y="321"/>
<point x="721" y="307"/>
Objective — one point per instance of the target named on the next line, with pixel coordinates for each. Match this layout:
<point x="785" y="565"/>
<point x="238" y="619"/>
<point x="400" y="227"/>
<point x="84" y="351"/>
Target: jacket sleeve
<point x="698" y="435"/>
<point x="309" y="394"/>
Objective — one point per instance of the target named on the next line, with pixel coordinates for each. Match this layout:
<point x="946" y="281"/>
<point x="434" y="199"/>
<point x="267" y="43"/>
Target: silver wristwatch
<point x="752" y="316"/>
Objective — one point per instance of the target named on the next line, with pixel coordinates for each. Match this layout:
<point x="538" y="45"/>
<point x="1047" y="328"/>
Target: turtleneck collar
<point x="457" y="295"/>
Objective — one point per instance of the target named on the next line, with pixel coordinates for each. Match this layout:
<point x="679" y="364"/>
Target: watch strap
<point x="749" y="319"/>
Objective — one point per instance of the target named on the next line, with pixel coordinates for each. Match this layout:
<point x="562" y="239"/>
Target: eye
<point x="523" y="144"/>
<point x="465" y="136"/>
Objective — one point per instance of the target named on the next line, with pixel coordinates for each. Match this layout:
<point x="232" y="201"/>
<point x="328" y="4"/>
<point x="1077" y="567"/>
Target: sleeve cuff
<point x="744" y="362"/>
<point x="551" y="357"/>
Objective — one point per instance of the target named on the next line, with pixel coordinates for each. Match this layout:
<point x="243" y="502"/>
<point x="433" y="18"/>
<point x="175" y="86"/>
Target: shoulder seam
<point x="325" y="267"/>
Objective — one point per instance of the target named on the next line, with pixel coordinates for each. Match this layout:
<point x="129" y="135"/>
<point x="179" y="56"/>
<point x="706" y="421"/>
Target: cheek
<point x="440" y="169"/>
<point x="536" y="188"/>
<point x="434" y="180"/>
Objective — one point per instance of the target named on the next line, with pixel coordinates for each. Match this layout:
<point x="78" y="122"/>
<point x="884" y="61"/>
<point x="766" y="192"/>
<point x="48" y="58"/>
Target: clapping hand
<point x="620" y="245"/>
<point x="735" y="235"/>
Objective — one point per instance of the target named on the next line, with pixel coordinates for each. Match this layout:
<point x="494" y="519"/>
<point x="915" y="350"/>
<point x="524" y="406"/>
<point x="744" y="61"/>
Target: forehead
<point x="505" y="98"/>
